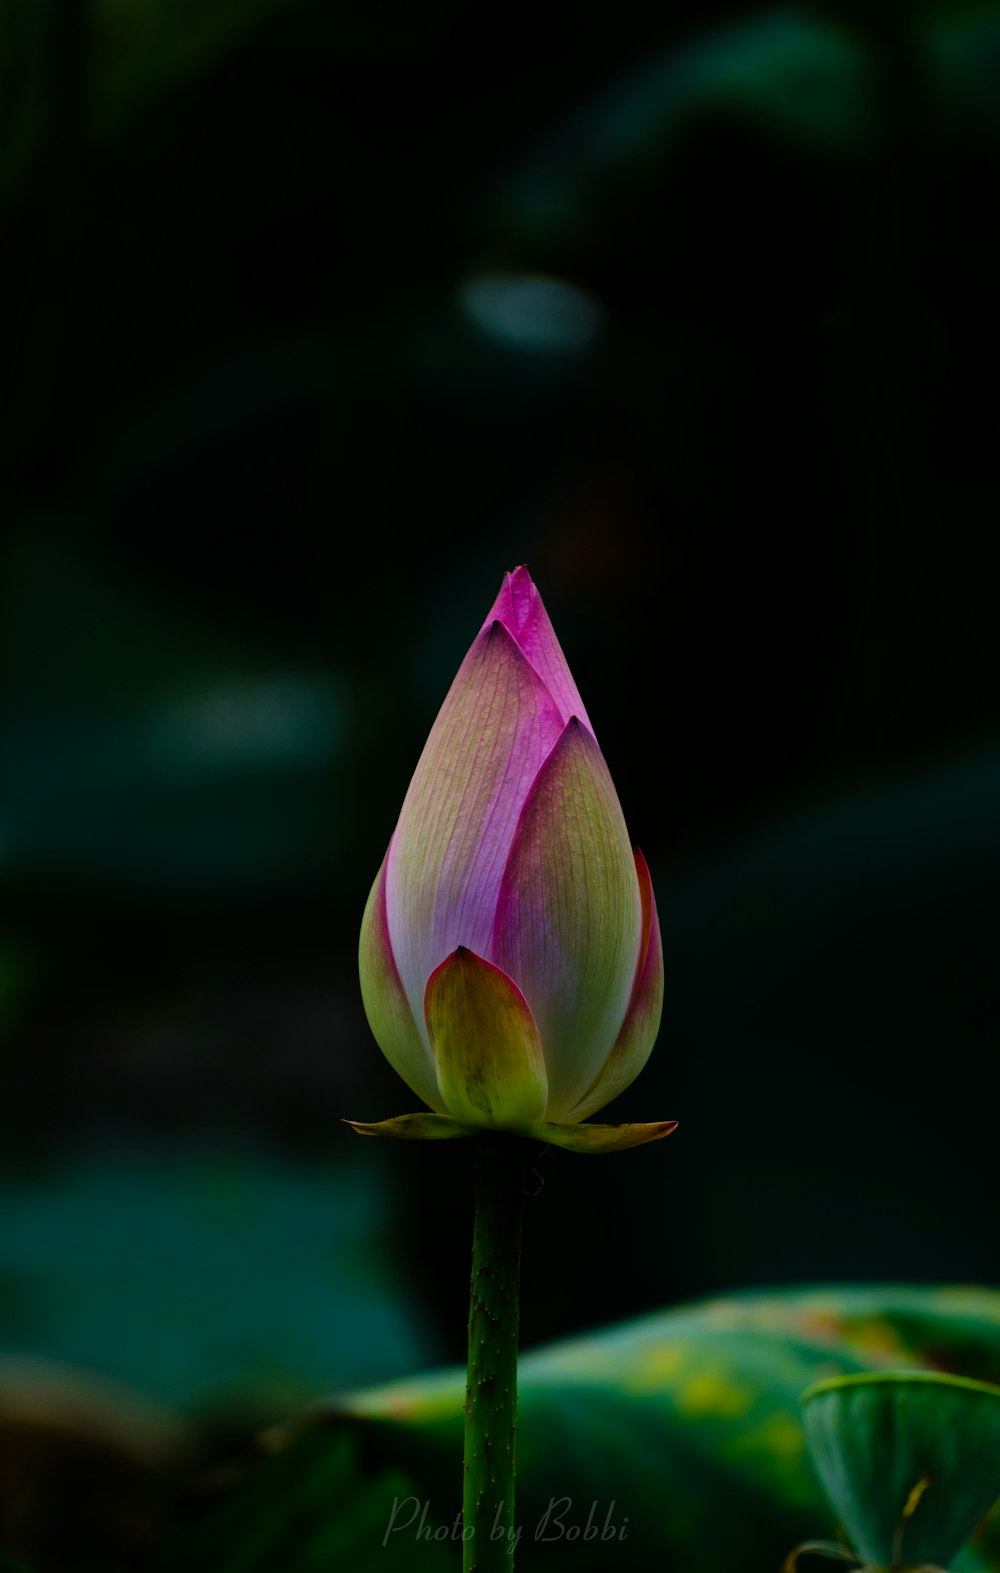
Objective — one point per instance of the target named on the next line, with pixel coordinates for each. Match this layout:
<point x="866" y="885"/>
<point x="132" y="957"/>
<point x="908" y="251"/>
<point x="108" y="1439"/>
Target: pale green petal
<point x="569" y="918"/>
<point x="642" y="1021"/>
<point x="386" y="1005"/>
<point x="485" y="1042"/>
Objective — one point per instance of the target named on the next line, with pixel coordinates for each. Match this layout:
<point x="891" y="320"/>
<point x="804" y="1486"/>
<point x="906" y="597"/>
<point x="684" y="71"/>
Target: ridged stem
<point x="502" y="1164"/>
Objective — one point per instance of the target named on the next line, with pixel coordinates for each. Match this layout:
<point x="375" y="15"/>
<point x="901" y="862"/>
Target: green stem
<point x="491" y="1393"/>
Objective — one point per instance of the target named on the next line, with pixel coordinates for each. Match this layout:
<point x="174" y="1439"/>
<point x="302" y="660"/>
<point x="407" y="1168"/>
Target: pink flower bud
<point x="511" y="964"/>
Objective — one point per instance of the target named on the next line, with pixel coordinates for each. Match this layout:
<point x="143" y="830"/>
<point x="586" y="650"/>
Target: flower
<point x="510" y="958"/>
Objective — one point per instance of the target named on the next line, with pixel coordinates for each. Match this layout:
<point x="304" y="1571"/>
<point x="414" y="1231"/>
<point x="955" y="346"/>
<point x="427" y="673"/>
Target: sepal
<point x="597" y="1138"/>
<point x="415" y="1127"/>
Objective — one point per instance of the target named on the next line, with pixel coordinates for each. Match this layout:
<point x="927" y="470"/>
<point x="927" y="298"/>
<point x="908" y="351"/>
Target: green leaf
<point x="685" y="1427"/>
<point x="911" y="1462"/>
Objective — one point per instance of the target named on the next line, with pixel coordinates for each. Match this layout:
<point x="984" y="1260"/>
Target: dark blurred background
<point x="318" y="317"/>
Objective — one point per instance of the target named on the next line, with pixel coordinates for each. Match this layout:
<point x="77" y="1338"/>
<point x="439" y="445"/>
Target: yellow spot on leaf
<point x="877" y="1338"/>
<point x="656" y="1370"/>
<point x="710" y="1394"/>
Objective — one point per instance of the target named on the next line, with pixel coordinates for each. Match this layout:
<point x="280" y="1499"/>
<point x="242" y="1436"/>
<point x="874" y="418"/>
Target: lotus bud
<point x="511" y="963"/>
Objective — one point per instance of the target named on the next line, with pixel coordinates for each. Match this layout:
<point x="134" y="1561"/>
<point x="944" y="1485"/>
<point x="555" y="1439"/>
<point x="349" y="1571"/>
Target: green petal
<point x="598" y="1138"/>
<point x="385" y="1002"/>
<point x="569" y="919"/>
<point x="642" y="1020"/>
<point x="910" y="1461"/>
<point x="415" y="1127"/>
<point x="486" y="1045"/>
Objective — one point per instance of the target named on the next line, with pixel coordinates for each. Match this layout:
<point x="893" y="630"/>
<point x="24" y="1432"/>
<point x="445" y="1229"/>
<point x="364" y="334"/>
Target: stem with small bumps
<point x="502" y="1163"/>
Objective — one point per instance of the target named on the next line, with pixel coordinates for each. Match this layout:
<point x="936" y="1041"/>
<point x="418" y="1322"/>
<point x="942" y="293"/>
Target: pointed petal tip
<point x="520" y="608"/>
<point x="495" y="628"/>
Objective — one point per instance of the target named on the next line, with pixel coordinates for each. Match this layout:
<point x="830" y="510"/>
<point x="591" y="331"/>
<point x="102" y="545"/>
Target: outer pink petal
<point x="386" y="1006"/>
<point x="458" y="819"/>
<point x="489" y="1058"/>
<point x="569" y="919"/>
<point x="642" y="1021"/>
<point x="519" y="607"/>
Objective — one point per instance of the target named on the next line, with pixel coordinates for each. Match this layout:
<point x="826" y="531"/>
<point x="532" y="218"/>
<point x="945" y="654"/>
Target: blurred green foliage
<point x="209" y="1280"/>
<point x="313" y="1508"/>
<point x="141" y="749"/>
<point x="805" y="74"/>
<point x="687" y="1422"/>
<point x="317" y="317"/>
